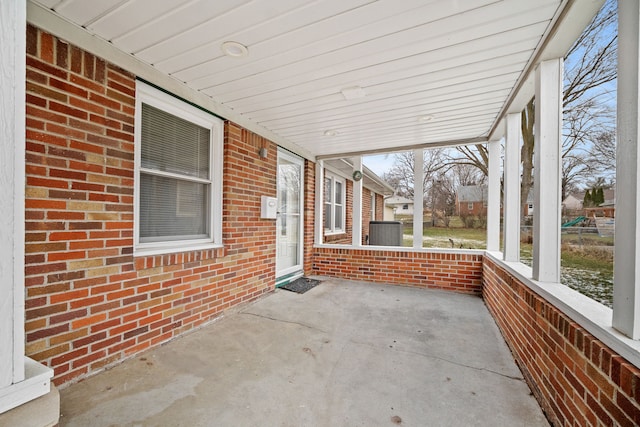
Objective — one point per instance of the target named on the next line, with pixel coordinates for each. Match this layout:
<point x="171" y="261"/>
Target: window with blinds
<point x="334" y="202"/>
<point x="175" y="172"/>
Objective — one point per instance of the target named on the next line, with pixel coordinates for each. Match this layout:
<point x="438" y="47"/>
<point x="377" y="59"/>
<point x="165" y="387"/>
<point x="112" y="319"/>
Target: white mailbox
<point x="269" y="208"/>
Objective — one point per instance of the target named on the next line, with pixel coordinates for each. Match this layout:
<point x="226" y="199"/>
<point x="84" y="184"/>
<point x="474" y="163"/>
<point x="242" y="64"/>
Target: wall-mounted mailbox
<point x="269" y="208"/>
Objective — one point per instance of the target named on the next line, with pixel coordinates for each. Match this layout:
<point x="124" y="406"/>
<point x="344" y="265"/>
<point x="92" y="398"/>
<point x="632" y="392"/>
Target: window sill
<point x="143" y="252"/>
<point x="594" y="317"/>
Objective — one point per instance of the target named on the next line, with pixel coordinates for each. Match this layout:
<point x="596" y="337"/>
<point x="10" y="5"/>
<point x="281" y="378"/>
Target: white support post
<point x="418" y="197"/>
<point x="626" y="287"/>
<point x="493" y="197"/>
<point x="318" y="225"/>
<point x="21" y="379"/>
<point x="548" y="163"/>
<point x="356" y="220"/>
<point x="512" y="189"/>
<point x="12" y="152"/>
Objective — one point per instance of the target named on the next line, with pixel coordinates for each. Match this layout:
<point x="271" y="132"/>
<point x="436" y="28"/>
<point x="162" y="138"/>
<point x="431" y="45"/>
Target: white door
<point x="289" y="222"/>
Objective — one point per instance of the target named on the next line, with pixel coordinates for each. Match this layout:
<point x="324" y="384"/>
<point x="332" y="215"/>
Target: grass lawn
<point x="441" y="237"/>
<point x="586" y="265"/>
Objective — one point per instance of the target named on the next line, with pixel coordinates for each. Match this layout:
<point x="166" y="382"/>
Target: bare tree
<point x="589" y="65"/>
<point x="603" y="152"/>
<point x="443" y="198"/>
<point x="400" y="176"/>
<point x="473" y="155"/>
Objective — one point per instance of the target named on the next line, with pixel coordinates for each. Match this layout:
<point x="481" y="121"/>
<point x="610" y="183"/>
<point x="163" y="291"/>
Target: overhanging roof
<point x="370" y="180"/>
<point x="325" y="78"/>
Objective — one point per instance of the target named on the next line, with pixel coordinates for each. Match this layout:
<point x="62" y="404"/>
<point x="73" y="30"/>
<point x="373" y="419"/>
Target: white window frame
<point x="470" y="206"/>
<point x="343" y="203"/>
<point x="146" y="94"/>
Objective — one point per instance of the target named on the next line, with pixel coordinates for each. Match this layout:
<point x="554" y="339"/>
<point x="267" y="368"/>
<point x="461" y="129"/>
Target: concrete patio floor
<point x="343" y="354"/>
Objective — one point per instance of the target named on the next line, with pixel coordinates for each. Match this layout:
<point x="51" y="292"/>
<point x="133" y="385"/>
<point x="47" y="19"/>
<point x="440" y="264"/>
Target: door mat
<point x="301" y="285"/>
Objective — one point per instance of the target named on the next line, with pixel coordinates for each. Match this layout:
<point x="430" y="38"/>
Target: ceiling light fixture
<point x="353" y="92"/>
<point x="234" y="49"/>
<point x="425" y="118"/>
<point x="330" y="132"/>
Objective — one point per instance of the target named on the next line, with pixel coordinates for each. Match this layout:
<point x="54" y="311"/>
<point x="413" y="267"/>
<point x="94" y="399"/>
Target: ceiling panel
<point x="331" y="34"/>
<point x="129" y="16"/>
<point x="437" y="73"/>
<point x="455" y="60"/>
<point x="84" y="12"/>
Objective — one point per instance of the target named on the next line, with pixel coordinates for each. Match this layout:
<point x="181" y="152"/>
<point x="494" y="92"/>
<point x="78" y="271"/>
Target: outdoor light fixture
<point x="234" y="49"/>
<point x="330" y="132"/>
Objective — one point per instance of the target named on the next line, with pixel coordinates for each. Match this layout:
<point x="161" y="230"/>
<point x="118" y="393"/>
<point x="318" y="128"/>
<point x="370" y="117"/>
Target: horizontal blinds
<point x="175" y="207"/>
<point x="172" y="144"/>
<point x="172" y="209"/>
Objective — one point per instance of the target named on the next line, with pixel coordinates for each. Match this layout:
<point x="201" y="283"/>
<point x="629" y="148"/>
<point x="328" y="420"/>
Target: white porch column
<point x="21" y="379"/>
<point x="493" y="197"/>
<point x="418" y="196"/>
<point x="12" y="152"/>
<point x="548" y="164"/>
<point x="626" y="295"/>
<point x="319" y="216"/>
<point x="356" y="217"/>
<point x="512" y="188"/>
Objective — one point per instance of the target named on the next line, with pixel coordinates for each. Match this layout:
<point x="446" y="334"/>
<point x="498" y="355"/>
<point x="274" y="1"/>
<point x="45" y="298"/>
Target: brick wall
<point x="576" y="378"/>
<point x="379" y="207"/>
<point x="309" y="213"/>
<point x="457" y="272"/>
<point x="366" y="214"/>
<point x="90" y="302"/>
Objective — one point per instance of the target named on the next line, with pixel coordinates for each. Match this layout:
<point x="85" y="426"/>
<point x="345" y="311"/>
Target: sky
<point x="379" y="164"/>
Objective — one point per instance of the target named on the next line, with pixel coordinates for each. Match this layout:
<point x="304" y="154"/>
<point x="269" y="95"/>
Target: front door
<point x="289" y="222"/>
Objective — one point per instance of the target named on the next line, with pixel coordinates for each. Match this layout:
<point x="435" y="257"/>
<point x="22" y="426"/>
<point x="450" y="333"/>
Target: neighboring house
<point x="400" y="205"/>
<point x="609" y="196"/>
<point x="573" y="202"/>
<point x="529" y="207"/>
<point x="388" y="212"/>
<point x="471" y="200"/>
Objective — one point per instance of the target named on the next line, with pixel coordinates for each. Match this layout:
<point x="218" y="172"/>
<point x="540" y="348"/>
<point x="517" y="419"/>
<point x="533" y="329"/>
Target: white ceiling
<point x="457" y="61"/>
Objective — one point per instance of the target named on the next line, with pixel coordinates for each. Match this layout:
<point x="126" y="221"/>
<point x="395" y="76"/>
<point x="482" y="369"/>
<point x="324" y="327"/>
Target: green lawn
<point x="442" y="237"/>
<point x="587" y="260"/>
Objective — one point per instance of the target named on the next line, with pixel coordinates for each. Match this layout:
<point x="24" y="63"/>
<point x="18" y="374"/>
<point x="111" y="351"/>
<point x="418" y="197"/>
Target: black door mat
<point x="301" y="285"/>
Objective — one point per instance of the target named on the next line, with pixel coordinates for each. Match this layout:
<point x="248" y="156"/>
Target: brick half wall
<point x="459" y="272"/>
<point x="576" y="378"/>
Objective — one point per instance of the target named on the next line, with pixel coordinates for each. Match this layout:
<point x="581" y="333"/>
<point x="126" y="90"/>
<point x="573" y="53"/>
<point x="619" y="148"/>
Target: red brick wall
<point x="90" y="302"/>
<point x="309" y="212"/>
<point x="366" y="214"/>
<point x="379" y="207"/>
<point x="576" y="378"/>
<point x="457" y="272"/>
<point x="479" y="208"/>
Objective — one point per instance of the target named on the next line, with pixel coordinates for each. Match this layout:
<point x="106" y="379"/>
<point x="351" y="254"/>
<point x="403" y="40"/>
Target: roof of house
<point x="370" y="179"/>
<point x="398" y="200"/>
<point x="472" y="193"/>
